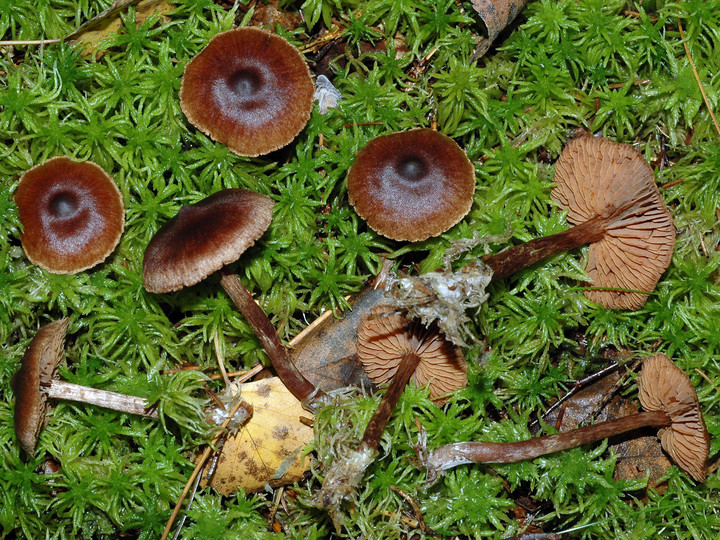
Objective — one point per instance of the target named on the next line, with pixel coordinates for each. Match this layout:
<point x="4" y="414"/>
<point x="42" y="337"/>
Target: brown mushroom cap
<point x="204" y="237"/>
<point x="248" y="89"/>
<point x="384" y="336"/>
<point x="594" y="176"/>
<point x="38" y="369"/>
<point x="411" y="185"/>
<point x="662" y="386"/>
<point x="72" y="214"/>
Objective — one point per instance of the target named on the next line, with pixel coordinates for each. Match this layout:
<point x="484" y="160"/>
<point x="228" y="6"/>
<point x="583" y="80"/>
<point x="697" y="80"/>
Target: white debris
<point x="326" y="94"/>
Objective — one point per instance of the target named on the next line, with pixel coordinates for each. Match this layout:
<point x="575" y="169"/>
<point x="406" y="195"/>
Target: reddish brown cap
<point x="594" y="176"/>
<point x="384" y="336"/>
<point x="72" y="214"/>
<point x="411" y="185"/>
<point x="204" y="237"/>
<point x="38" y="369"/>
<point x="662" y="386"/>
<point x="248" y="89"/>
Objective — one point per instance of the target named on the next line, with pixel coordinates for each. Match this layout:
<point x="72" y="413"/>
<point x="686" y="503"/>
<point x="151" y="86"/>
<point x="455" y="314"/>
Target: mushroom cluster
<point x="252" y="90"/>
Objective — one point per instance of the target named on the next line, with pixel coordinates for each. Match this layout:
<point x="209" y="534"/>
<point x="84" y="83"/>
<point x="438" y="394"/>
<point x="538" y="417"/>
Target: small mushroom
<point x="36" y="382"/>
<point x="72" y="214"/>
<point x="411" y="185"/>
<point x="609" y="191"/>
<point x="249" y="89"/>
<point x="203" y="238"/>
<point x="385" y="335"/>
<point x="391" y="347"/>
<point x="664" y="390"/>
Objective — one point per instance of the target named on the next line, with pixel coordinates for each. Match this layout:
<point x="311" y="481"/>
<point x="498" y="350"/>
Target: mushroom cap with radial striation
<point x="38" y="369"/>
<point x="249" y="89"/>
<point x="203" y="237"/>
<point x="595" y="176"/>
<point x="72" y="215"/>
<point x="411" y="185"/>
<point x="662" y="386"/>
<point x="384" y="336"/>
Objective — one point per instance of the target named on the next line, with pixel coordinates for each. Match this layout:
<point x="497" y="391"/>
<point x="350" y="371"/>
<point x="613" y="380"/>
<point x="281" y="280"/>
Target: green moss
<point x="616" y="68"/>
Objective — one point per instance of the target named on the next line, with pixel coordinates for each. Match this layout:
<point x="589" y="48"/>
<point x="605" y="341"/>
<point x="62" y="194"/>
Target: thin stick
<point x="220" y="359"/>
<point x="28" y="42"/>
<point x="579" y="385"/>
<point x="200" y="464"/>
<point x="697" y="77"/>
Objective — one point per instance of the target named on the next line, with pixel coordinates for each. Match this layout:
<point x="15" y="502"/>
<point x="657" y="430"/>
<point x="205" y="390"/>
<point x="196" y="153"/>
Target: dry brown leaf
<point x="271" y="442"/>
<point x="109" y="21"/>
<point x="496" y="14"/>
<point x="327" y="354"/>
<point x="637" y="456"/>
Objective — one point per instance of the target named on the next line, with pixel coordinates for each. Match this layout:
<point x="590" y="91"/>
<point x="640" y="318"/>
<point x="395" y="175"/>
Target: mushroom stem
<point x="103" y="398"/>
<point x="521" y="256"/>
<point x="376" y="426"/>
<point x="289" y="374"/>
<point x="451" y="455"/>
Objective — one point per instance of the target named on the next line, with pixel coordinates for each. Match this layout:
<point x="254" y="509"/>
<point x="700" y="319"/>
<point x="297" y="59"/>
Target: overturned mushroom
<point x="36" y="382"/>
<point x="411" y="185"/>
<point x="612" y="199"/>
<point x="249" y="89"/>
<point x="393" y="348"/>
<point x="203" y="238"/>
<point x="671" y="404"/>
<point x="72" y="214"/>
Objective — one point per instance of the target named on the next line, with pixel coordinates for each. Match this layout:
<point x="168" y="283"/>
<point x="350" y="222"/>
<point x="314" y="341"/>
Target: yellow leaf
<point x="109" y="21"/>
<point x="269" y="448"/>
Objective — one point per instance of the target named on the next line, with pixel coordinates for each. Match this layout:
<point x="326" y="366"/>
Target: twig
<point x="579" y="385"/>
<point x="697" y="77"/>
<point x="700" y="372"/>
<point x="28" y="42"/>
<point x="200" y="464"/>
<point x="416" y="509"/>
<point x="220" y="359"/>
<point x="673" y="183"/>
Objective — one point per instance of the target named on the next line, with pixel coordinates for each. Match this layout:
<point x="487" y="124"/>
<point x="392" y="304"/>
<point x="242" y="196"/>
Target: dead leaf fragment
<point x="109" y="21"/>
<point x="269" y="448"/>
<point x="496" y="14"/>
<point x="327" y="354"/>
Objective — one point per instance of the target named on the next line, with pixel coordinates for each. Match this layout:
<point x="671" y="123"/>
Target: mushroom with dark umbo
<point x="200" y="240"/>
<point x="664" y="390"/>
<point x="36" y="382"/>
<point x="411" y="185"/>
<point x="72" y="214"/>
<point x="249" y="89"/>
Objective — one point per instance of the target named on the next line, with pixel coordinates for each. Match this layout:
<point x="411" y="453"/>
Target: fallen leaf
<point x="269" y="448"/>
<point x="326" y="355"/>
<point x="496" y="14"/>
<point x="109" y="21"/>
